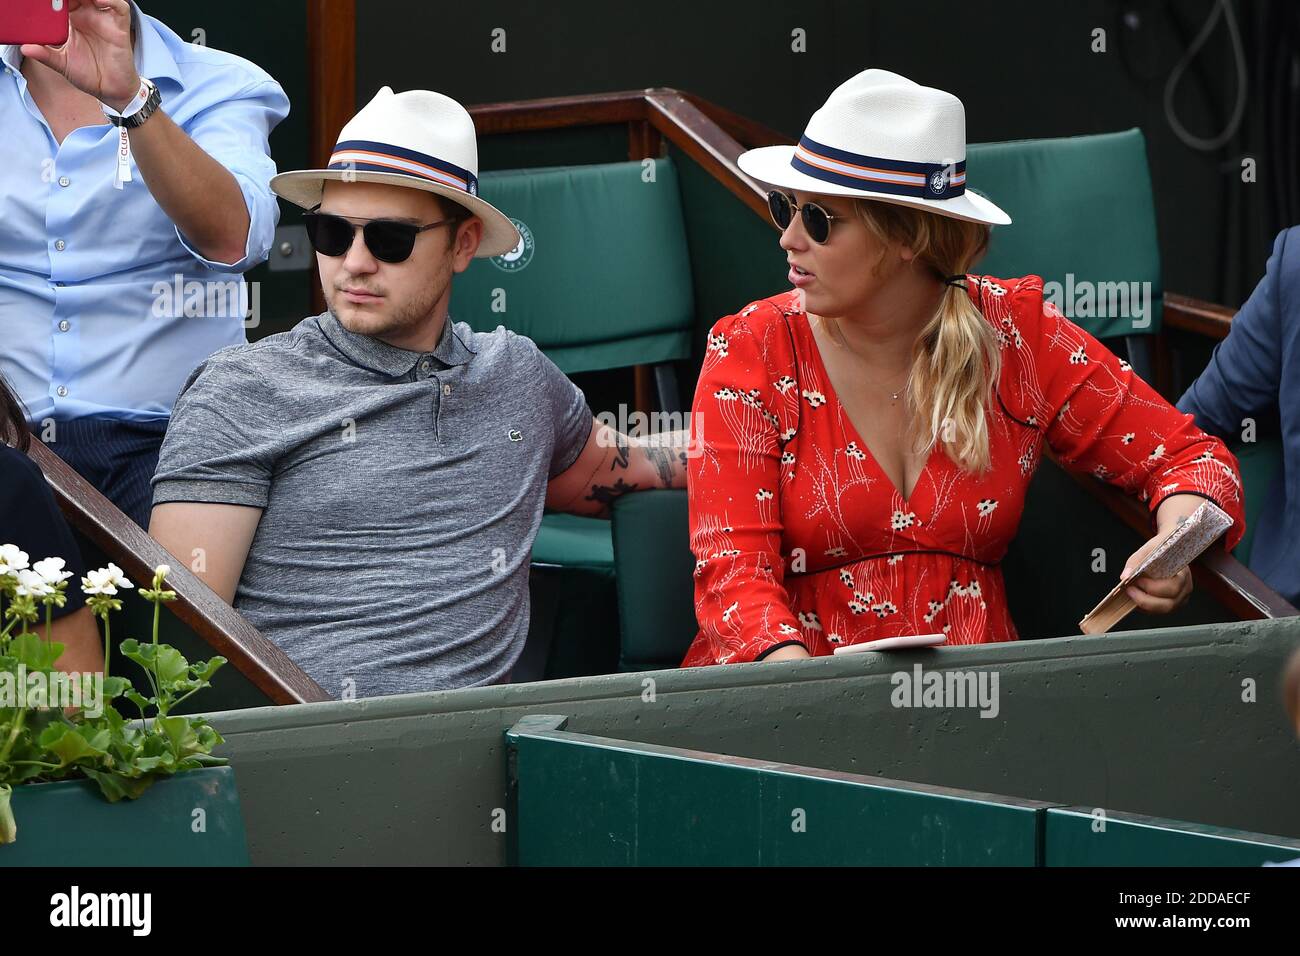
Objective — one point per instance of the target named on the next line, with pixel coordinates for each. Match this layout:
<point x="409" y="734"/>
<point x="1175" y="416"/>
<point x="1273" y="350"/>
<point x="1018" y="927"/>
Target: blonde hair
<point x="956" y="360"/>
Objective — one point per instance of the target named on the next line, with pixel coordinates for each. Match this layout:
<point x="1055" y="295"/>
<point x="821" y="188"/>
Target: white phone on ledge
<point x="894" y="643"/>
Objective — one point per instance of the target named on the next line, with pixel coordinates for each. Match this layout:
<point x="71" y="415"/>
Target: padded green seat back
<point x="1260" y="462"/>
<point x="601" y="278"/>
<point x="1082" y="217"/>
<point x="656" y="583"/>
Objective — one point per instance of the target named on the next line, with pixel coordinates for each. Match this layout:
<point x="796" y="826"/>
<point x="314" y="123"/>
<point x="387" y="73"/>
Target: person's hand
<point x="97" y="57"/>
<point x="1162" y="595"/>
<point x="791" y="652"/>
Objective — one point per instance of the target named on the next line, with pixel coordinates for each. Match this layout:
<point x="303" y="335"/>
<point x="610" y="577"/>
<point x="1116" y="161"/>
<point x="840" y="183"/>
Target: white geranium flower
<point x="12" y="559"/>
<point x="31" y="584"/>
<point x="51" y="570"/>
<point x="105" y="581"/>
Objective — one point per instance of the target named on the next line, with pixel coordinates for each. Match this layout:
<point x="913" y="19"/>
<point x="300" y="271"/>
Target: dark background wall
<point x="1024" y="68"/>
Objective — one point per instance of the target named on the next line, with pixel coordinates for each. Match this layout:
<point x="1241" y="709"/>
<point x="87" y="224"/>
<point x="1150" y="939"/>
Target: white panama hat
<point x="420" y="139"/>
<point x="881" y="136"/>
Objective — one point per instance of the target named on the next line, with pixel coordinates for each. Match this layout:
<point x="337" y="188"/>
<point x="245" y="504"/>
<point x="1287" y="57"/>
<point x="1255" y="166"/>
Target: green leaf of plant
<point x="203" y="670"/>
<point x="179" y="733"/>
<point x="115" y="788"/>
<point x="8" y="826"/>
<point x="38" y="654"/>
<point x="70" y="745"/>
<point x="172" y="665"/>
<point x="115" y="687"/>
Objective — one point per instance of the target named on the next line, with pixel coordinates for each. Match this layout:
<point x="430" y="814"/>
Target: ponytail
<point x="956" y="360"/>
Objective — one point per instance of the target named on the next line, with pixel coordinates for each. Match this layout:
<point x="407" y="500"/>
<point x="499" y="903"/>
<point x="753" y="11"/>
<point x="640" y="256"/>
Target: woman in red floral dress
<point x="868" y="437"/>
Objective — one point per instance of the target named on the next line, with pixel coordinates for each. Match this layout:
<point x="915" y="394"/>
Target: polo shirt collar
<point x="378" y="356"/>
<point x="152" y="58"/>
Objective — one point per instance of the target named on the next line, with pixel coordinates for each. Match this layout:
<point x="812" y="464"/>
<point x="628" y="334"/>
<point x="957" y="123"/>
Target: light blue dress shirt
<point x="90" y="320"/>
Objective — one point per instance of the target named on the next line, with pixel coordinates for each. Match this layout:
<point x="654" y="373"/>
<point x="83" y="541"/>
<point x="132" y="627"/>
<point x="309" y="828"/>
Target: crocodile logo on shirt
<point x="516" y="435"/>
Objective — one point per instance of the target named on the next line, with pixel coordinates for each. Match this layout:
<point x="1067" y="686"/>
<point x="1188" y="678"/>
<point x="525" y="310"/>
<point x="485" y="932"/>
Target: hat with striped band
<point x="881" y="136"/>
<point x="418" y="139"/>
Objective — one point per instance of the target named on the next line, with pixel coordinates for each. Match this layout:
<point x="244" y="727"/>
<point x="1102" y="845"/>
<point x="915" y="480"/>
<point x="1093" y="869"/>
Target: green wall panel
<point x="587" y="801"/>
<point x="1078" y="837"/>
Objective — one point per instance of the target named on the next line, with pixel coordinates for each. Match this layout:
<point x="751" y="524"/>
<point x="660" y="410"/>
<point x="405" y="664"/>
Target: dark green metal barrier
<point x="579" y="800"/>
<point x="1184" y="723"/>
<point x="594" y="801"/>
<point x="1079" y="836"/>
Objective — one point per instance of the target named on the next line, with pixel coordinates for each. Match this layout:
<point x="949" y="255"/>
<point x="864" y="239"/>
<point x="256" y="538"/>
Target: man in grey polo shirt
<point x="366" y="487"/>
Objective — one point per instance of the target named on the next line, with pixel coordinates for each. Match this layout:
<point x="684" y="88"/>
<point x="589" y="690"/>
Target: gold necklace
<point x="839" y="334"/>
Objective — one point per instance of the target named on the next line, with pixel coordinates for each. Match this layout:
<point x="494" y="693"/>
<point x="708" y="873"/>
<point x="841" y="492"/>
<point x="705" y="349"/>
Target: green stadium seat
<point x="1081" y="207"/>
<point x="656" y="579"/>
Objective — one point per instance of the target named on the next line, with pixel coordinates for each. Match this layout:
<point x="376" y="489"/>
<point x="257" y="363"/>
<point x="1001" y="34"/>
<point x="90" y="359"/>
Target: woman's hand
<point x="97" y="57"/>
<point x="791" y="652"/>
<point x="1162" y="595"/>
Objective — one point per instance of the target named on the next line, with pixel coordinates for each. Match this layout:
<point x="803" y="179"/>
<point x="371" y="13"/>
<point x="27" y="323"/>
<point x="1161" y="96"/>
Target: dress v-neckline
<point x="833" y="399"/>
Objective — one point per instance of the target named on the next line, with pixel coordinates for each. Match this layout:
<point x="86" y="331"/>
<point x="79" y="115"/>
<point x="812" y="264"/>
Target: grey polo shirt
<point x="400" y="494"/>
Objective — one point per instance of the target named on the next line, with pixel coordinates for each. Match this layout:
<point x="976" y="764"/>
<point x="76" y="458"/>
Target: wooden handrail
<point x="1197" y="316"/>
<point x="558" y="112"/>
<point x="1216" y="571"/>
<point x="748" y="132"/>
<point x="684" y="125"/>
<point x="212" y="619"/>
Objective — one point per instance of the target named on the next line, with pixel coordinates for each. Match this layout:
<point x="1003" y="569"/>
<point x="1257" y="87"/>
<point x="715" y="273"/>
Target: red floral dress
<point x="798" y="534"/>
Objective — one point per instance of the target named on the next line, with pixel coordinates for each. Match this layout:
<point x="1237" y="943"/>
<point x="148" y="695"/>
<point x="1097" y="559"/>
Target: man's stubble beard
<point x="398" y="321"/>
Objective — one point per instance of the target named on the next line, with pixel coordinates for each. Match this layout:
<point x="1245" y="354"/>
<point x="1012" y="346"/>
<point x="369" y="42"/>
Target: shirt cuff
<point x="256" y="249"/>
<point x="212" y="492"/>
<point x="776" y="647"/>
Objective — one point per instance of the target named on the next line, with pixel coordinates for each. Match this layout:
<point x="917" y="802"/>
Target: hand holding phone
<point x="95" y="54"/>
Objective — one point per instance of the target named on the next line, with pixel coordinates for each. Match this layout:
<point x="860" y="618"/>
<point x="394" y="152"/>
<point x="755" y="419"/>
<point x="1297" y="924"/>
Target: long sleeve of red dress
<point x="743" y="411"/>
<point x="800" y="537"/>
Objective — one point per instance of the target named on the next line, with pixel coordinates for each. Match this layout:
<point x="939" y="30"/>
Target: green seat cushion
<point x="1082" y="215"/>
<point x="602" y="277"/>
<point x="656" y="578"/>
<point x="573" y="541"/>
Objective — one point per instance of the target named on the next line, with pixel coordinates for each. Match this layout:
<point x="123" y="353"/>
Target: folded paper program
<point x="1182" y="546"/>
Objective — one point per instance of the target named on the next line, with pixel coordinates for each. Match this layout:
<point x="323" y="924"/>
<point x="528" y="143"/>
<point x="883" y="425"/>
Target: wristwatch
<point x="152" y="100"/>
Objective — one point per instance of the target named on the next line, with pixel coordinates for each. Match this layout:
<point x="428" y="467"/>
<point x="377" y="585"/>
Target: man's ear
<point x="469" y="235"/>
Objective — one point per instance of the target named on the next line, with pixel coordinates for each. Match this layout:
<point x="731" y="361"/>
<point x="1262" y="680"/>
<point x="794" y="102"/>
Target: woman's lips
<point x="800" y="279"/>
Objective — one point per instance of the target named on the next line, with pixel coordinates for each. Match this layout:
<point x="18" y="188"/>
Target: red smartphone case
<point x="34" y="21"/>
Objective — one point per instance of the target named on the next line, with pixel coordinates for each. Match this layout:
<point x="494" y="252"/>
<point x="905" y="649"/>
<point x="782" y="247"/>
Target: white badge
<point x="123" y="159"/>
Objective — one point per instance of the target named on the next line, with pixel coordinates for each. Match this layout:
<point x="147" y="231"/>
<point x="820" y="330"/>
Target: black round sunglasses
<point x="816" y="220"/>
<point x="389" y="240"/>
